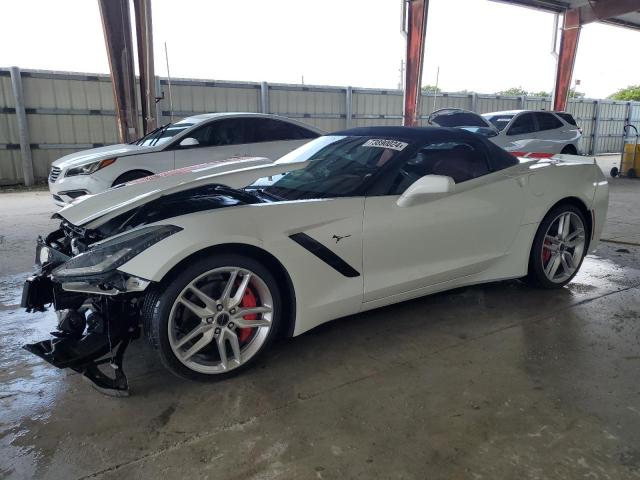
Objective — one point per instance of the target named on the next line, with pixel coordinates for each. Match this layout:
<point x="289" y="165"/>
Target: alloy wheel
<point x="563" y="247"/>
<point x="220" y="320"/>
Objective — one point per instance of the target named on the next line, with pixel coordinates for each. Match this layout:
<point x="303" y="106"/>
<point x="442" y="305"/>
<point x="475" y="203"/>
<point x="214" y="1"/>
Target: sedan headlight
<point x="89" y="168"/>
<point x="108" y="255"/>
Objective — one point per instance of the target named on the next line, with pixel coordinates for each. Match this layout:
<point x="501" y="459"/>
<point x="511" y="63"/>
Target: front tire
<point x="559" y="247"/>
<point x="214" y="318"/>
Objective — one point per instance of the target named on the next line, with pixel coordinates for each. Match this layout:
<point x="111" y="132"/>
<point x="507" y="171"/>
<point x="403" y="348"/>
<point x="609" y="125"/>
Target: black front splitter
<point x="84" y="356"/>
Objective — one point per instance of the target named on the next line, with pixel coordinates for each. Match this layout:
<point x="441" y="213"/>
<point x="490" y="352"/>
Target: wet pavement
<point x="487" y="382"/>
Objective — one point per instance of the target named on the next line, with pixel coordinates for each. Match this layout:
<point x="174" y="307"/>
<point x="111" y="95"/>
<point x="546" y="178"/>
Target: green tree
<point x="541" y="93"/>
<point x="632" y="92"/>
<point x="512" y="92"/>
<point x="574" y="94"/>
<point x="431" y="89"/>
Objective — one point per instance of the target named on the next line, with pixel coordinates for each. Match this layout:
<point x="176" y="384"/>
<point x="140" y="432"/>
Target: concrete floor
<point x="497" y="381"/>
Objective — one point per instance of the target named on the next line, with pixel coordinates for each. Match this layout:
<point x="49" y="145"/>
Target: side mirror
<point x="426" y="188"/>
<point x="189" y="142"/>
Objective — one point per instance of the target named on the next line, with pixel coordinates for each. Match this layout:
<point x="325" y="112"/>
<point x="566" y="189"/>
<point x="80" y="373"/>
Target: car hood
<point x="101" y="153"/>
<point x="93" y="210"/>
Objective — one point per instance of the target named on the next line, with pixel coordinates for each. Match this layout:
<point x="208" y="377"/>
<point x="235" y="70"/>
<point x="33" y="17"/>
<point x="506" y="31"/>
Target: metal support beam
<point x="349" y="107"/>
<point x="566" y="58"/>
<point x="116" y="24"/>
<point x="596" y="129"/>
<point x="23" y="127"/>
<point x="416" y="16"/>
<point x="605" y="9"/>
<point x="144" y="37"/>
<point x="264" y="97"/>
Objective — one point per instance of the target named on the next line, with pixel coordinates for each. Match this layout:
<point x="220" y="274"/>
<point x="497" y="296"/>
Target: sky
<point x="479" y="45"/>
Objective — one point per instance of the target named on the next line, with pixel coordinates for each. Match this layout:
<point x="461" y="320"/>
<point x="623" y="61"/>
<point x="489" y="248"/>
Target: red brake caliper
<point x="546" y="253"/>
<point x="248" y="300"/>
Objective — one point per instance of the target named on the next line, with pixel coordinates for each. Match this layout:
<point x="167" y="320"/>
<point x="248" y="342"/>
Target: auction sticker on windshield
<point x="383" y="143"/>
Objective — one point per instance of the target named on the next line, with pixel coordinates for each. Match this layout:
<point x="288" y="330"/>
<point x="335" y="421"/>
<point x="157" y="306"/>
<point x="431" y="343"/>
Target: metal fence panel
<point x="196" y="96"/>
<point x="584" y="112"/>
<point x="6" y="92"/>
<point x="324" y="108"/>
<point x="67" y="112"/>
<point x="9" y="163"/>
<point x="492" y="103"/>
<point x="537" y="103"/>
<point x="613" y="117"/>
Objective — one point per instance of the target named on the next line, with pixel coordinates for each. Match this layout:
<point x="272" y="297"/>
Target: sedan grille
<point x="55" y="172"/>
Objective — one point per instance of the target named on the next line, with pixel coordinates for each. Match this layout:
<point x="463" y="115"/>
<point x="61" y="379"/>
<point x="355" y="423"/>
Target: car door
<point x="552" y="136"/>
<point x="406" y="249"/>
<point x="273" y="138"/>
<point x="521" y="135"/>
<point x="217" y="140"/>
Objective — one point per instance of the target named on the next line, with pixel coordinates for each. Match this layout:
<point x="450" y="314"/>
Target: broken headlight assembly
<point x="110" y="254"/>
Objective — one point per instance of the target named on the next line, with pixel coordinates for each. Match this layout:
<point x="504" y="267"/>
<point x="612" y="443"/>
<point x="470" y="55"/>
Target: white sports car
<point x="214" y="262"/>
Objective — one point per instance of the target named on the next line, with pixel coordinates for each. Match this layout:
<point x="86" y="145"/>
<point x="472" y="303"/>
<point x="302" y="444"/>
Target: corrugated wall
<point x="67" y="112"/>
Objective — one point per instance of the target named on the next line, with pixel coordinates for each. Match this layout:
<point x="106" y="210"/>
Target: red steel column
<point x="416" y="31"/>
<point x="566" y="58"/>
<point x="144" y="37"/>
<point x="116" y="23"/>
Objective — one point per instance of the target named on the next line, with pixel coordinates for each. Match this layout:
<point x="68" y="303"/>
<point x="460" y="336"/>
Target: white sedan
<point x="191" y="141"/>
<point x="216" y="262"/>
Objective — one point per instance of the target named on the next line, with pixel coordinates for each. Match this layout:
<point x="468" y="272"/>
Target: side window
<point x="522" y="125"/>
<point x="459" y="160"/>
<point x="221" y="133"/>
<point x="567" y="117"/>
<point x="271" y="130"/>
<point x="547" y="121"/>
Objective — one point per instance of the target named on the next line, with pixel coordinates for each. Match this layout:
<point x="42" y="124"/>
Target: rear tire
<point x="130" y="177"/>
<point x="631" y="173"/>
<point x="569" y="150"/>
<point x="218" y="347"/>
<point x="614" y="172"/>
<point x="559" y="247"/>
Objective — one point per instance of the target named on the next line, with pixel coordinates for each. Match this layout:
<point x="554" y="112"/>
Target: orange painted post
<point x="416" y="31"/>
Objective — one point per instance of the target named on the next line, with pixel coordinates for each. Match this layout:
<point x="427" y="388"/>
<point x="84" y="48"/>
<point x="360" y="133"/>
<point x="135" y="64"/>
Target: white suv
<point x="535" y="131"/>
<point x="517" y="131"/>
<point x="191" y="141"/>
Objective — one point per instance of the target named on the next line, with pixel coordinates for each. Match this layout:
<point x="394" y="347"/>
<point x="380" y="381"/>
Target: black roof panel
<point x="408" y="133"/>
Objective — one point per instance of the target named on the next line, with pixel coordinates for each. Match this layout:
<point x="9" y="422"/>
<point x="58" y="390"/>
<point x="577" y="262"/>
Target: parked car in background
<point x="191" y="141"/>
<point x="535" y="131"/>
<point x="517" y="131"/>
<point x="460" y="118"/>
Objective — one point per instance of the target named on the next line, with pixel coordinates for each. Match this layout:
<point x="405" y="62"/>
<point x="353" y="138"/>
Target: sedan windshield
<point x="336" y="166"/>
<point x="163" y="134"/>
<point x="499" y="121"/>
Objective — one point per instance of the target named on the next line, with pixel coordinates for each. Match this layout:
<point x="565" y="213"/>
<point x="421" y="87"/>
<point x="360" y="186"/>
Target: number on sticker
<point x="383" y="143"/>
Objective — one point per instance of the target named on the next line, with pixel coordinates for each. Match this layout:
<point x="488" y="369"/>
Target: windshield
<point x="163" y="134"/>
<point x="499" y="121"/>
<point x="338" y="166"/>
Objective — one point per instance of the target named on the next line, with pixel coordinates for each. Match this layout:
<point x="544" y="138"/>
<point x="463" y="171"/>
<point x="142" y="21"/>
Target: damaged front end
<point x="98" y="306"/>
